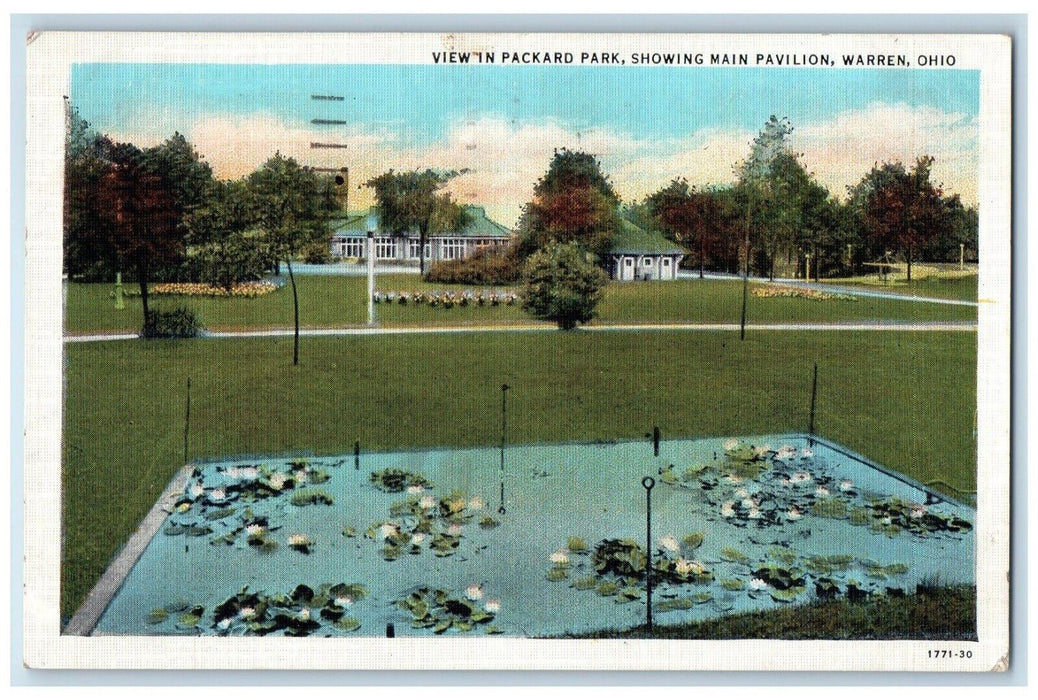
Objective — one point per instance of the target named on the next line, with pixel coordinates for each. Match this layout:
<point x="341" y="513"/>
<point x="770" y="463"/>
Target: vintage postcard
<point x="518" y="351"/>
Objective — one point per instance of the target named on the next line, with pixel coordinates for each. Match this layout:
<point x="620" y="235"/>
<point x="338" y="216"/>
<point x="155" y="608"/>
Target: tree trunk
<point x="702" y="257"/>
<point x="774" y="254"/>
<point x="142" y="281"/>
<point x="421" y="253"/>
<point x="910" y="264"/>
<point x="295" y="303"/>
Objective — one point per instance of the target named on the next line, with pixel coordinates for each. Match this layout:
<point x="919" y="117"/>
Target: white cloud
<point x="506" y="157"/>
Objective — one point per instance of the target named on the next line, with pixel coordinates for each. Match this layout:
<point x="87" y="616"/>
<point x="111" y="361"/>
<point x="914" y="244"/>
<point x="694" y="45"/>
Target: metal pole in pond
<point x="648" y="482"/>
<point x="655" y="441"/>
<point x="187" y="419"/>
<point x="504" y="429"/>
<point x="814" y="394"/>
<point x="356" y="455"/>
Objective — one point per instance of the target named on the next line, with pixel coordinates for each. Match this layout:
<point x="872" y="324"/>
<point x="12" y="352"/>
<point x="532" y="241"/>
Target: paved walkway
<point x="887" y="326"/>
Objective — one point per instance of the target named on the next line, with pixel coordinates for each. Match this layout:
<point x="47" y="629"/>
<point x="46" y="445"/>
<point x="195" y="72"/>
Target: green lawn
<point x="341" y="301"/>
<point x="964" y="288"/>
<point x="945" y="613"/>
<point x="904" y="399"/>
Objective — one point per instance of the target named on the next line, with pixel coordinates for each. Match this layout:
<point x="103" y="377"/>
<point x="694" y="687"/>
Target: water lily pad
<point x="732" y="584"/>
<point x="557" y="573"/>
<point x="693" y="539"/>
<point x="585" y="583"/>
<point x="158" y="615"/>
<point x="347" y="624"/>
<point x="732" y="554"/>
<point x="577" y="545"/>
<point x="310" y="497"/>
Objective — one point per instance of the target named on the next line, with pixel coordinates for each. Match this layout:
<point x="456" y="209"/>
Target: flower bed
<point x="200" y="289"/>
<point x="771" y="291"/>
<point x="447" y="300"/>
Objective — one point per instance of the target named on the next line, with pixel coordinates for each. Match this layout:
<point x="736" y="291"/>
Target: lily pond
<point x="317" y="546"/>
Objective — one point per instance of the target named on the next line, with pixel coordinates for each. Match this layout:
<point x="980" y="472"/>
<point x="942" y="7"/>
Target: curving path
<point x="887" y="326"/>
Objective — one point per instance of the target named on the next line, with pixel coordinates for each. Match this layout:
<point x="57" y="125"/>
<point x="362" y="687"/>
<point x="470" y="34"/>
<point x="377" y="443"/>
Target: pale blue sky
<point x="647" y="124"/>
<point x="423" y="100"/>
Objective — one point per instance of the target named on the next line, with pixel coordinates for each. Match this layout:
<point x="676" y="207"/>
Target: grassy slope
<point x="945" y="614"/>
<point x="340" y="301"/>
<point x="901" y="399"/>
<point x="964" y="288"/>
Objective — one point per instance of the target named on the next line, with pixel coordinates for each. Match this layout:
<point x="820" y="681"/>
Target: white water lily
<point x="846" y="485"/>
<point x="762" y="450"/>
<point x="670" y="543"/>
<point x="304" y="614"/>
<point x="728" y="509"/>
<point x="183" y="507"/>
<point x="476" y="503"/>
<point x="821" y="491"/>
<point x="688" y="566"/>
<point x="474" y="591"/>
<point x="427" y="502"/>
<point x="742" y="493"/>
<point x="196" y="490"/>
<point x="793" y="514"/>
<point x="300" y="477"/>
<point x="749" y="503"/>
<point x="457" y="505"/>
<point x="389" y="530"/>
<point x="493" y="605"/>
<point x="454" y="530"/>
<point x="807" y="453"/>
<point x="247" y="612"/>
<point x="917" y="511"/>
<point x="786" y="452"/>
<point x="754" y="513"/>
<point x="277" y="480"/>
<point x="758" y="584"/>
<point x="224" y="623"/>
<point x="559" y="557"/>
<point x="730" y="444"/>
<point x="298" y="540"/>
<point x="255" y="530"/>
<point x="218" y="495"/>
<point x="414" y="488"/>
<point x="800" y="478"/>
<point x="249" y="473"/>
<point x="417" y="538"/>
<point x="343" y="601"/>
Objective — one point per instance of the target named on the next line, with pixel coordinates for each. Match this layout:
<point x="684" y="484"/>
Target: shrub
<point x="562" y="284"/>
<point x="178" y="323"/>
<point x="489" y="266"/>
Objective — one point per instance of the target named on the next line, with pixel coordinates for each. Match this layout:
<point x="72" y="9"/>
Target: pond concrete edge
<point x="86" y="618"/>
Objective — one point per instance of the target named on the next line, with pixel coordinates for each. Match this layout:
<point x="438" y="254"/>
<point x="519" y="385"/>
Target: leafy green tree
<point x="770" y="210"/>
<point x="224" y="247"/>
<point x="415" y="201"/>
<point x="573" y="201"/>
<point x="562" y="284"/>
<point x="292" y="206"/>
<point x="87" y="254"/>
